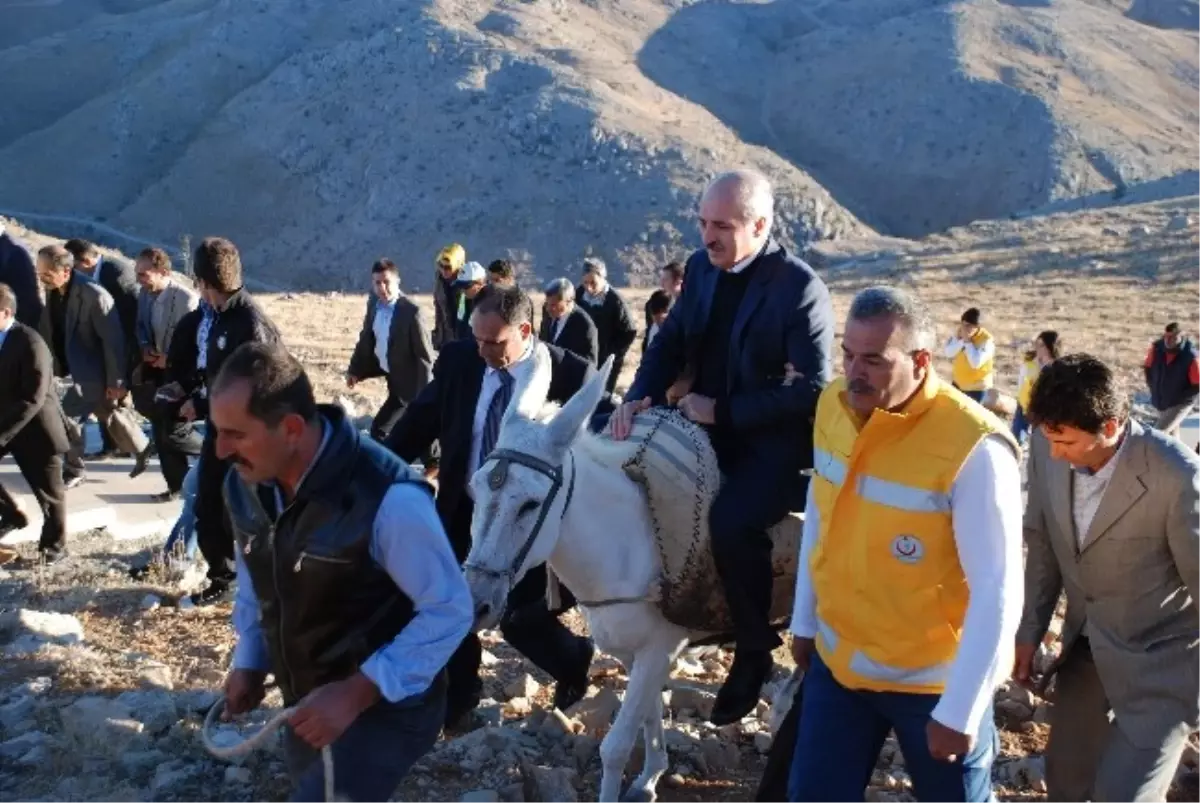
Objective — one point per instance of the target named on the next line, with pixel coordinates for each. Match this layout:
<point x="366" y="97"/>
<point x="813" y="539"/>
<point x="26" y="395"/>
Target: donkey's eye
<point x="527" y="508"/>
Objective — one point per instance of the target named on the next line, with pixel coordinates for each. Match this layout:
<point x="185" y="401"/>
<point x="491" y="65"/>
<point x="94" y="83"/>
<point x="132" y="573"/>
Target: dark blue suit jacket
<point x="785" y="317"/>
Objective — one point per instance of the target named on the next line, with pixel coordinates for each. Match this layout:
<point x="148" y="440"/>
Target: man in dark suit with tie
<point x="747" y="310"/>
<point x="567" y="326"/>
<point x="394" y="343"/>
<point x="473" y="383"/>
<point x="31" y="429"/>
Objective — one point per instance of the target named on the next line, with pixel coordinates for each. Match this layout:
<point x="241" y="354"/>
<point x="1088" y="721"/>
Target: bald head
<point x="736" y="213"/>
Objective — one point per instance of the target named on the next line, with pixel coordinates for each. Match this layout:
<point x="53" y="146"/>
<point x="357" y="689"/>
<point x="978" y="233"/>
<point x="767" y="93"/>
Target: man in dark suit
<point x="120" y="280"/>
<point x="394" y="343"/>
<point x="82" y="329"/>
<point x="18" y="272"/>
<point x="615" y="329"/>
<point x="31" y="429"/>
<point x="468" y="378"/>
<point x="567" y="326"/>
<point x="747" y="310"/>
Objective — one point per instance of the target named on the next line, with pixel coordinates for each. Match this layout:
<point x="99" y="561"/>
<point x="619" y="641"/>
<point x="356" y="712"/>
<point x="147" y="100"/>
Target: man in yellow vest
<point x="909" y="590"/>
<point x="974" y="354"/>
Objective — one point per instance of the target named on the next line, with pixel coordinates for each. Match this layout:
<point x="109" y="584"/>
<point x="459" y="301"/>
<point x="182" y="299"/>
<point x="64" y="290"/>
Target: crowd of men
<point x="343" y="562"/>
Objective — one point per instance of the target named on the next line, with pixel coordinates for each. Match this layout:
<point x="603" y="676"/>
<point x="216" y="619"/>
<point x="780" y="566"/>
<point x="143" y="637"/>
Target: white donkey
<point x="544" y="496"/>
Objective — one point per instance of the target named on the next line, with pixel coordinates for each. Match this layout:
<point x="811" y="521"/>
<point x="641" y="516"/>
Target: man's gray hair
<point x="912" y="314"/>
<point x="560" y="288"/>
<point x="752" y="191"/>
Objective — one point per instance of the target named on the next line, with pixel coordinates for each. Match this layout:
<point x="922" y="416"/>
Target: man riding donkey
<point x="908" y="590"/>
<point x="748" y="308"/>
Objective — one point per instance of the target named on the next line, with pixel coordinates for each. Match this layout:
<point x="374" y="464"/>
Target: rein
<point x="496" y="479"/>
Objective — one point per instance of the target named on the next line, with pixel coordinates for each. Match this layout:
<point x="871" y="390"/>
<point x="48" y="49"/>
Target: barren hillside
<point x="320" y="135"/>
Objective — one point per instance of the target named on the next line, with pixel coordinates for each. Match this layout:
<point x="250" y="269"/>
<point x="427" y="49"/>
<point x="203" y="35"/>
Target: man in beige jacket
<point x="164" y="300"/>
<point x="1112" y="519"/>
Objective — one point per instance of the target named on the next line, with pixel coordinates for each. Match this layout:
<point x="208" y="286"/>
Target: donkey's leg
<point x="651" y="665"/>
<point x="643" y="787"/>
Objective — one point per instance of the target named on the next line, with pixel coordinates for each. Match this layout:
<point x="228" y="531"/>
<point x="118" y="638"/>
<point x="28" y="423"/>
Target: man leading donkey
<point x="748" y="308"/>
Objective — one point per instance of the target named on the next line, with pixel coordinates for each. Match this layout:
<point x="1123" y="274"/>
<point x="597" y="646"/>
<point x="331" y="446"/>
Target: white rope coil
<point x="258" y="739"/>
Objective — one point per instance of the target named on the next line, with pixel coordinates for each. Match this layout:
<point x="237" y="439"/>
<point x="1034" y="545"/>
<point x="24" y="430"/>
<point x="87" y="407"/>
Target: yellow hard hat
<point x="454" y="253"/>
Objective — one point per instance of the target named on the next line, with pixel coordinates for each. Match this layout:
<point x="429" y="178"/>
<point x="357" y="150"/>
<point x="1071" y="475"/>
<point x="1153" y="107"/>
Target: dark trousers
<point x="44" y="473"/>
<point x="841" y="732"/>
<point x="373" y="755"/>
<point x="389" y="413"/>
<point x="747" y="506"/>
<point x="212" y="529"/>
<point x="529" y="626"/>
<point x="175" y="440"/>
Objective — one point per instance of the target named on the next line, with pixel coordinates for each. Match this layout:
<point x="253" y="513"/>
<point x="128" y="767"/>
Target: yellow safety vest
<point x="1029" y="375"/>
<point x="891" y="595"/>
<point x="968" y="378"/>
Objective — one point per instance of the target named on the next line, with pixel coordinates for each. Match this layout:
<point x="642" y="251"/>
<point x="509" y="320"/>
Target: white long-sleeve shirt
<point x="976" y="355"/>
<point x="986" y="508"/>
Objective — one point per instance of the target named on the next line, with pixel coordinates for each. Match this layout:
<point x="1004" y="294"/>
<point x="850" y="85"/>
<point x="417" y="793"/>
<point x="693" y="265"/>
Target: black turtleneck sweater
<point x="712" y="372"/>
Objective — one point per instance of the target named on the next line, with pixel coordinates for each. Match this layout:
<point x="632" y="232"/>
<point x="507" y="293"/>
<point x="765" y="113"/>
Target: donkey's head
<point x="523" y="489"/>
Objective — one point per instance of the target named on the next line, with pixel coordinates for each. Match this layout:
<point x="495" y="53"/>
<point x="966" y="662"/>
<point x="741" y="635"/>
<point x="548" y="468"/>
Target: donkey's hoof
<point x="636" y="794"/>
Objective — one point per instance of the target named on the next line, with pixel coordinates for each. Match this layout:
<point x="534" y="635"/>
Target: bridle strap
<point x="496" y="479"/>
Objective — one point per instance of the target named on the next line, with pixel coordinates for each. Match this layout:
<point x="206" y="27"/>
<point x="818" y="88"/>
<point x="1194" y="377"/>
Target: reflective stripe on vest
<point x="884" y="492"/>
<point x="863" y="665"/>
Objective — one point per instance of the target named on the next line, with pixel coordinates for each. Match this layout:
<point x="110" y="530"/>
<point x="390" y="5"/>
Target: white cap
<point x="472" y="272"/>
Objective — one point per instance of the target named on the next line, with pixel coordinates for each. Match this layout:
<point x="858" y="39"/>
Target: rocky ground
<point x="105" y="683"/>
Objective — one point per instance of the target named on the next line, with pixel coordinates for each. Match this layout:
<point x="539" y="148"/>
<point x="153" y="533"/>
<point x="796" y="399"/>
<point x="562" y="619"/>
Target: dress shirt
<point x="7" y="326"/>
<point x="410" y="544"/>
<point x="976" y="355"/>
<point x="1088" y="492"/>
<point x="519" y="370"/>
<point x="559" y="323"/>
<point x="985" y="504"/>
<point x="381" y="325"/>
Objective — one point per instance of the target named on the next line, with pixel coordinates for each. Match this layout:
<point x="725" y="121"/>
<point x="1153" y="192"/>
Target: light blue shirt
<point x="382" y="327"/>
<point x="409" y="542"/>
<point x="4" y="331"/>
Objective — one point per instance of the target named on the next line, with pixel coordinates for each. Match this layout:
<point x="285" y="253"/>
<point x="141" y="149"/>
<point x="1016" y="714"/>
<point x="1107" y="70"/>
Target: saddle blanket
<point x="673" y="463"/>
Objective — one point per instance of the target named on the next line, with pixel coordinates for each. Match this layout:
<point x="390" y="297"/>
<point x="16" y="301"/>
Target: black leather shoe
<point x="573" y="688"/>
<point x="141" y="459"/>
<point x="739" y="695"/>
<point x="215" y="593"/>
<point x="12" y="524"/>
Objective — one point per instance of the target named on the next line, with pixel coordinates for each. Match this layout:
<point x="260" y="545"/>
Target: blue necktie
<point x="495" y="412"/>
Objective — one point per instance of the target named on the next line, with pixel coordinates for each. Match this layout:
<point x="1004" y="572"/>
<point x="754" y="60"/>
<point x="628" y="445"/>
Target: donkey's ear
<point x="575" y="414"/>
<point x="529" y="396"/>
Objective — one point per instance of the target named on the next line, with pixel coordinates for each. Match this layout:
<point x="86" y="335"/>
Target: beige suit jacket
<point x="1134" y="580"/>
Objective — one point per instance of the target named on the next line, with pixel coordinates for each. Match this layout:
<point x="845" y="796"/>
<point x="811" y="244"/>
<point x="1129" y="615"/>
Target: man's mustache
<point x="860" y="386"/>
<point x="713" y="246"/>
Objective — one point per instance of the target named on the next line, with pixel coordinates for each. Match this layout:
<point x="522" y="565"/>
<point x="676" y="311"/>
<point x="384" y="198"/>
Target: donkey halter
<point x="496" y="479"/>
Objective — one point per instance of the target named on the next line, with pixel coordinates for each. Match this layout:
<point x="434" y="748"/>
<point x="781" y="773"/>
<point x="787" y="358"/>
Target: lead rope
<point x="258" y="739"/>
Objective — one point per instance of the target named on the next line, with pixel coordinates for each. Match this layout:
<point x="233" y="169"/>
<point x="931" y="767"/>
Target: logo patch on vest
<point x="908" y="549"/>
<point x="221" y="342"/>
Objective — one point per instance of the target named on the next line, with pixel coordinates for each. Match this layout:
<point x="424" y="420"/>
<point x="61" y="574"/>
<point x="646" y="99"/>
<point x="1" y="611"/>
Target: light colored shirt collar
<point x="745" y="263"/>
<point x="518" y="363"/>
<point x="1105" y="472"/>
<point x="595" y="299"/>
